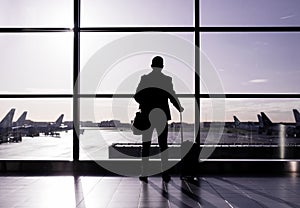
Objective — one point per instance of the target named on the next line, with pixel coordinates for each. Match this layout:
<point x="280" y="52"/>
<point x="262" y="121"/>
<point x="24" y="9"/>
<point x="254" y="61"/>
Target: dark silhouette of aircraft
<point x="16" y="130"/>
<point x="21" y="121"/>
<point x="271" y="128"/>
<point x="6" y="126"/>
<point x="51" y="128"/>
<point x="247" y="126"/>
<point x="297" y="116"/>
<point x="260" y="124"/>
<point x="266" y="126"/>
<point x="297" y="119"/>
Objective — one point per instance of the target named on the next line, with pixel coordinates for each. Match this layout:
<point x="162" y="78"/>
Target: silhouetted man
<point x="153" y="93"/>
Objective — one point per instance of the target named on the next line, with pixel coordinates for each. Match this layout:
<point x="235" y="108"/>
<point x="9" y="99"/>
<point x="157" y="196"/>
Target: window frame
<point x="196" y="29"/>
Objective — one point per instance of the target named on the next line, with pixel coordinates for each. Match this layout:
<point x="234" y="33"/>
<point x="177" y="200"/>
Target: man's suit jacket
<point x="154" y="91"/>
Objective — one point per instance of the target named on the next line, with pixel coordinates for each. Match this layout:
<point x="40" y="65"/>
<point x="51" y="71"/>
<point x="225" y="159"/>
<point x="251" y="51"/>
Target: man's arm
<point x="137" y="96"/>
<point x="173" y="97"/>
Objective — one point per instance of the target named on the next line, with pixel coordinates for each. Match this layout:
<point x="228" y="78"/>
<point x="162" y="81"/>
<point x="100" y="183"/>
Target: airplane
<point x="56" y="125"/>
<point x="297" y="119"/>
<point x="247" y="126"/>
<point x="51" y="128"/>
<point x="21" y="120"/>
<point x="297" y="116"/>
<point x="16" y="133"/>
<point x="271" y="128"/>
<point x="6" y="126"/>
<point x="260" y="124"/>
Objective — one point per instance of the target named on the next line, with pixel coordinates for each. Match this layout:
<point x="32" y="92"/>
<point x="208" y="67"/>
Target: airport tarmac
<point x="39" y="148"/>
<point x="94" y="143"/>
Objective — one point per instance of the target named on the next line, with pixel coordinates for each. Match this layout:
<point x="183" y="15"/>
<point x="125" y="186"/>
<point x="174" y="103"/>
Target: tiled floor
<point x="129" y="192"/>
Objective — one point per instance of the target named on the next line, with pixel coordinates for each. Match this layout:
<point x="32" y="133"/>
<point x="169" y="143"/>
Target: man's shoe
<point x="144" y="179"/>
<point x="166" y="178"/>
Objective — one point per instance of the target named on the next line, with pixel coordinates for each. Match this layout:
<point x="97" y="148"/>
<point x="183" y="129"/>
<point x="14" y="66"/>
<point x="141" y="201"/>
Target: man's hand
<point x="181" y="109"/>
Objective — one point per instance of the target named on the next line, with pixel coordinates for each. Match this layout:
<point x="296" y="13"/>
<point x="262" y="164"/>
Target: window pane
<point x="36" y="13"/>
<point x="103" y="13"/>
<point x="122" y="75"/>
<point x="252" y="62"/>
<point x="249" y="13"/>
<point x="276" y="128"/>
<point x="44" y="135"/>
<point x="107" y="121"/>
<point x="36" y="63"/>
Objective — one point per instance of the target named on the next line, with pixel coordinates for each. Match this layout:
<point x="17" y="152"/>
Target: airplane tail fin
<point x="265" y="119"/>
<point x="236" y="121"/>
<point x="21" y="120"/>
<point x="58" y="122"/>
<point x="7" y="120"/>
<point x="297" y="116"/>
<point x="260" y="122"/>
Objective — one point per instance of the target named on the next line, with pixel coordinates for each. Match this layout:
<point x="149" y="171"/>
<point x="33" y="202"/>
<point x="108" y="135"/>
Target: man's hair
<point x="157" y="62"/>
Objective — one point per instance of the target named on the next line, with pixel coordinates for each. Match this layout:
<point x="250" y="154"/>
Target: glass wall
<point x="273" y="122"/>
<point x="108" y="121"/>
<point x="38" y="129"/>
<point x="36" y="82"/>
<point x="36" y="63"/>
<point x="233" y="57"/>
<point x="36" y="13"/>
<point x="250" y="110"/>
<point x="122" y="74"/>
<point x="251" y="13"/>
<point x="257" y="62"/>
<point x="138" y="13"/>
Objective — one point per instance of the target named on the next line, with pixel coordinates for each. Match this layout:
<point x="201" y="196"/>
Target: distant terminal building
<point x="177" y="125"/>
<point x="88" y="124"/>
<point x="114" y="123"/>
<point x="207" y="124"/>
<point x="111" y="123"/>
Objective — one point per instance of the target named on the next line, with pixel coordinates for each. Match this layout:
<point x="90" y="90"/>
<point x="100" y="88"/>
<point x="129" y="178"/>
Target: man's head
<point x="157" y="63"/>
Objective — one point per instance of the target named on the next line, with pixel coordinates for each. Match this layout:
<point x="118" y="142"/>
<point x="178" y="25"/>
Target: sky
<point x="250" y="13"/>
<point x="39" y="109"/>
<point x="245" y="63"/>
<point x="36" y="13"/>
<point x="278" y="110"/>
<point x="255" y="62"/>
<point x="127" y="71"/>
<point x="36" y="63"/>
<point x="103" y="13"/>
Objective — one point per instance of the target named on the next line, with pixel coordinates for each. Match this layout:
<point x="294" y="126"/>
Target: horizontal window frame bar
<point x="155" y="29"/>
<point x="36" y="96"/>
<point x="125" y="95"/>
<point x="137" y="29"/>
<point x="249" y="96"/>
<point x="131" y="96"/>
<point x="34" y="30"/>
<point x="249" y="29"/>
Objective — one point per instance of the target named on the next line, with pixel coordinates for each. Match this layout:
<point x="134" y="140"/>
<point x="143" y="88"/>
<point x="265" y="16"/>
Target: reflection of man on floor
<point x="153" y="93"/>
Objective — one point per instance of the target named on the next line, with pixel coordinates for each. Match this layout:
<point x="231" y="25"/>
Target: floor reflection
<point x="129" y="192"/>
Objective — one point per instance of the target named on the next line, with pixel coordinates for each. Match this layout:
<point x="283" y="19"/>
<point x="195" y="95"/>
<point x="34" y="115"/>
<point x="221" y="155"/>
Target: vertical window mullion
<point x="76" y="70"/>
<point x="197" y="73"/>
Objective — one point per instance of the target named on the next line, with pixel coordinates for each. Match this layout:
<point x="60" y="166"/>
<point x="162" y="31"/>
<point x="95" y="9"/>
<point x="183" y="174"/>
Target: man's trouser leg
<point x="163" y="145"/>
<point x="146" y="138"/>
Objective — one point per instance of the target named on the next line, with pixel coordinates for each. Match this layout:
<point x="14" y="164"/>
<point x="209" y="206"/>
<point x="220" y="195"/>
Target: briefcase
<point x="140" y="123"/>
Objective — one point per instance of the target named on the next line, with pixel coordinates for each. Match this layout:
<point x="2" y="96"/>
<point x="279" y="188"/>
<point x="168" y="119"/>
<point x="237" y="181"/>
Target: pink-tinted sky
<point x="246" y="63"/>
